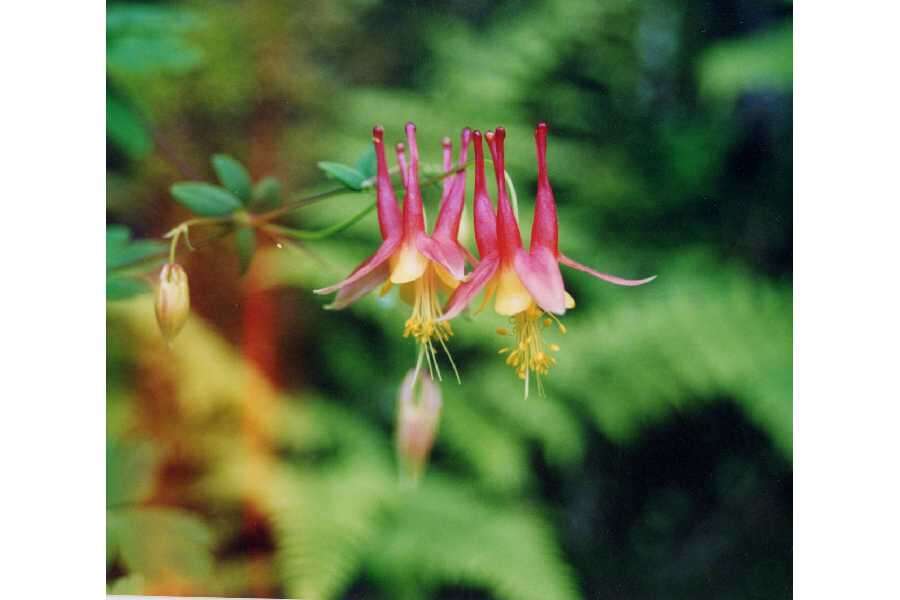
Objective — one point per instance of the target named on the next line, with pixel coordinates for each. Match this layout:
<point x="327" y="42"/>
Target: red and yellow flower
<point x="421" y="264"/>
<point x="526" y="285"/>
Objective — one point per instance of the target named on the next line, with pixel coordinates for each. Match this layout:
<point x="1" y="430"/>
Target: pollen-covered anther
<point x="528" y="355"/>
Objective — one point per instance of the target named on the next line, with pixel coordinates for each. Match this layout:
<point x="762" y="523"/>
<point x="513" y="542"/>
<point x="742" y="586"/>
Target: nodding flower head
<point x="173" y="300"/>
<point x="421" y="264"/>
<point x="526" y="285"/>
<point x="418" y="416"/>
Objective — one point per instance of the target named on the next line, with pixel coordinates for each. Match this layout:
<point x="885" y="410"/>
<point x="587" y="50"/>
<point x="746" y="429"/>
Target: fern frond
<point x="445" y="533"/>
<point x="691" y="340"/>
<point x="494" y="454"/>
<point x="323" y="524"/>
<point x="325" y="515"/>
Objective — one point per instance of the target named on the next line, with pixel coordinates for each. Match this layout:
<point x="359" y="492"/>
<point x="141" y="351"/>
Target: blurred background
<point x="255" y="456"/>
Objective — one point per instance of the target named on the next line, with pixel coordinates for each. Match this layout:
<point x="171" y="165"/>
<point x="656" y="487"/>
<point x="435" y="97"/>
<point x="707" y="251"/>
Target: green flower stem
<point x="129" y="268"/>
<point x="299" y="234"/>
<point x="299" y="203"/>
<point x="182" y="230"/>
<point x="264" y="220"/>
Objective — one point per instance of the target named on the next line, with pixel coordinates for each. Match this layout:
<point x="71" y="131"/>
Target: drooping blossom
<point x="418" y="416"/>
<point x="526" y="285"/>
<point x="421" y="264"/>
<point x="172" y="303"/>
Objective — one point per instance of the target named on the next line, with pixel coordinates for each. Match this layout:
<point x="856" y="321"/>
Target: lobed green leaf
<point x="234" y="176"/>
<point x="266" y="193"/>
<point x="122" y="253"/>
<point x="367" y="164"/>
<point x="346" y="174"/>
<point x="204" y="199"/>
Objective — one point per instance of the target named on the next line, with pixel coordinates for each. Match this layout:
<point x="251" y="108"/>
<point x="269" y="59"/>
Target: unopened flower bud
<point x="418" y="414"/>
<point x="173" y="300"/>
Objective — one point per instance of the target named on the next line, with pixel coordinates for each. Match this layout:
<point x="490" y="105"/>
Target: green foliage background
<point x="659" y="462"/>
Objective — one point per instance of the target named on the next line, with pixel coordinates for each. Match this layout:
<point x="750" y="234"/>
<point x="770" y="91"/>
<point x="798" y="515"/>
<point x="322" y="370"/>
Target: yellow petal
<point x="512" y="297"/>
<point x="385" y="288"/>
<point x="570" y="301"/>
<point x="446" y="278"/>
<point x="407" y="264"/>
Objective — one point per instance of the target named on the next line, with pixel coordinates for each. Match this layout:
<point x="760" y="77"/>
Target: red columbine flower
<point x="420" y="263"/>
<point x="527" y="285"/>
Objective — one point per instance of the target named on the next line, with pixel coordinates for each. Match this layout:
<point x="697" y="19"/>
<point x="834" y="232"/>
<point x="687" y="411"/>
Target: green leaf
<point x="266" y="193"/>
<point x="157" y="542"/>
<point x="233" y="175"/>
<point x="367" y="164"/>
<point x="126" y="129"/>
<point x="121" y="254"/>
<point x="129" y="472"/>
<point x="245" y="240"/>
<point x="122" y="288"/>
<point x="346" y="174"/>
<point x="204" y="199"/>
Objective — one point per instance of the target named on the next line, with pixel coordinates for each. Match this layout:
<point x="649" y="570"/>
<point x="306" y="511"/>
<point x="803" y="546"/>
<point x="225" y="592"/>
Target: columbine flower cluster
<point x="526" y="286"/>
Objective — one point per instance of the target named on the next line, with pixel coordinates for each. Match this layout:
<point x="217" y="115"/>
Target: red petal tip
<point x="377" y="134"/>
<point x="540" y="136"/>
<point x="413" y="146"/>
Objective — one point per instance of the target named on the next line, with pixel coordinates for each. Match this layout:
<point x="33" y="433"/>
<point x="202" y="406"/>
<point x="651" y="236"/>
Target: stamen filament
<point x="527" y="356"/>
<point x="423" y="324"/>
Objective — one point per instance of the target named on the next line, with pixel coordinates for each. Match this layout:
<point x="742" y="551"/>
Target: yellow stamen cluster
<point x="423" y="324"/>
<point x="528" y="355"/>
